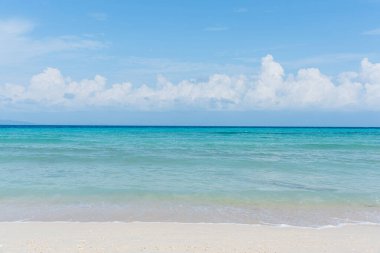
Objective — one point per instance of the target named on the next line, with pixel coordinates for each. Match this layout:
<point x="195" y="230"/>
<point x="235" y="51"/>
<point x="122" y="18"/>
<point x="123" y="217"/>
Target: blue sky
<point x="196" y="57"/>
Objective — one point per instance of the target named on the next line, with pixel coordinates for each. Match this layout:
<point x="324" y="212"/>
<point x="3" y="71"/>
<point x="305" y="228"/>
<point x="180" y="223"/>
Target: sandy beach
<point x="111" y="237"/>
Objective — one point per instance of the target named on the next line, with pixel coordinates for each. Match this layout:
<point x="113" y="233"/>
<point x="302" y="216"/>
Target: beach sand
<point x="110" y="237"/>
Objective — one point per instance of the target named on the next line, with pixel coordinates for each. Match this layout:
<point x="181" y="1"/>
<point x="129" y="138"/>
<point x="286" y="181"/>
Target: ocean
<point x="256" y="175"/>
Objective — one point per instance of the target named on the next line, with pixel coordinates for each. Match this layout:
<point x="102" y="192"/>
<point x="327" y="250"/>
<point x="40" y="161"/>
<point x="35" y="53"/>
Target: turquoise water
<point x="296" y="176"/>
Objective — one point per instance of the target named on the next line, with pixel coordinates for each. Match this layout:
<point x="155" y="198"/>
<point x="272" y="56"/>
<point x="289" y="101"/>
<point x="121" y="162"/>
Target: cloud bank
<point x="270" y="89"/>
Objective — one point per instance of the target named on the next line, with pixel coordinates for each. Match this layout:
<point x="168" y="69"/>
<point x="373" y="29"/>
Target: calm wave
<point x="297" y="176"/>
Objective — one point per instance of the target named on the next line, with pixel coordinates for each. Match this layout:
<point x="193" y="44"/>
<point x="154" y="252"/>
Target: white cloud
<point x="17" y="44"/>
<point x="271" y="88"/>
<point x="99" y="16"/>
<point x="325" y="59"/>
<point x="216" y="28"/>
<point x="145" y="66"/>
<point x="15" y="27"/>
<point x="241" y="10"/>
<point x="372" y="32"/>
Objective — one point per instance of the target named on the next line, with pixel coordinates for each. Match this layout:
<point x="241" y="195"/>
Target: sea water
<point x="295" y="176"/>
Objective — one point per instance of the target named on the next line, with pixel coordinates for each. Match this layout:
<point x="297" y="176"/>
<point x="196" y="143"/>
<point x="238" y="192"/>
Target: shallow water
<point x="296" y="176"/>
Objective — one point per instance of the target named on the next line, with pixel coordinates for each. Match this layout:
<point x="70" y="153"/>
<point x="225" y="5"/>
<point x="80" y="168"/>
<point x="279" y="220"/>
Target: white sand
<point x="108" y="237"/>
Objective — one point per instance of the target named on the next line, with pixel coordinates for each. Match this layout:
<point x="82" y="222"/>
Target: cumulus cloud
<point x="271" y="88"/>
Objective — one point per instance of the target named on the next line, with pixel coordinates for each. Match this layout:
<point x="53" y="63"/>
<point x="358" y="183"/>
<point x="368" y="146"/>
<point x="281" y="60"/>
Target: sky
<point x="190" y="62"/>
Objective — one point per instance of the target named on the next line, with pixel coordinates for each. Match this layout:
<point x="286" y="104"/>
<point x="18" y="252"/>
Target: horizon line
<point x="176" y="126"/>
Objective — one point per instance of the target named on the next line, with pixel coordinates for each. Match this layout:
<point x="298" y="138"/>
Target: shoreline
<point x="274" y="225"/>
<point x="117" y="237"/>
<point x="189" y="213"/>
